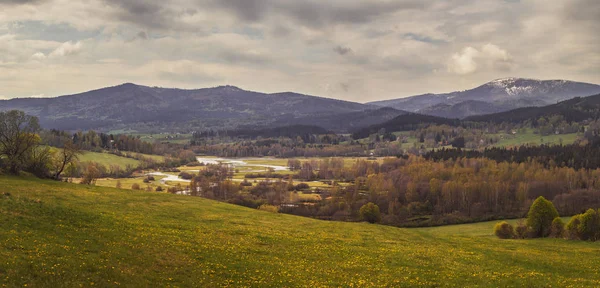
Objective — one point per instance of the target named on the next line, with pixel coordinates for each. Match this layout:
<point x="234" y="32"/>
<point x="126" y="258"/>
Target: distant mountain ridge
<point x="219" y="107"/>
<point x="573" y="110"/>
<point x="493" y="97"/>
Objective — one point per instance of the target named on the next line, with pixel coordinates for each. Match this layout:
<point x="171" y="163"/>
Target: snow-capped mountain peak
<point x="500" y="94"/>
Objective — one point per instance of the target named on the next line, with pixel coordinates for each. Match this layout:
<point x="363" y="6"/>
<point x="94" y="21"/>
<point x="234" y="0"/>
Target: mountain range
<point x="578" y="109"/>
<point x="154" y="109"/>
<point x="143" y="108"/>
<point x="493" y="97"/>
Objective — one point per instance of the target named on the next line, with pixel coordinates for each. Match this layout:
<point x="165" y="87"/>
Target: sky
<point x="356" y="50"/>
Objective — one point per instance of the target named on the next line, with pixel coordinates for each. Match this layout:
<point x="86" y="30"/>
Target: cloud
<point x="423" y="38"/>
<point x="19" y="2"/>
<point x="342" y="50"/>
<point x="464" y="62"/>
<point x="67" y="49"/>
<point x="38" y="56"/>
<point x="392" y="48"/>
<point x="315" y="13"/>
<point x="471" y="59"/>
<point x="142" y="35"/>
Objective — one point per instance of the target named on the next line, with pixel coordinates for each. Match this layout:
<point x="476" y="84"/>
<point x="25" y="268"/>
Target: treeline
<point x="413" y="191"/>
<point x="416" y="192"/>
<point x="290" y="148"/>
<point x="574" y="156"/>
<point x="22" y="149"/>
<point x="578" y="109"/>
<point x="94" y="141"/>
<point x="405" y="122"/>
<point x="307" y="133"/>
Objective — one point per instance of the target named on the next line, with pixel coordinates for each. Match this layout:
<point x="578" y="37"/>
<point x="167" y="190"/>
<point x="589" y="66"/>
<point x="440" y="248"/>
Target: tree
<point x="540" y="217"/>
<point x="38" y="162"/>
<point x="18" y="138"/>
<point x="558" y="228"/>
<point x="67" y="155"/>
<point x="458" y="142"/>
<point x="90" y="175"/>
<point x="572" y="228"/>
<point x="504" y="230"/>
<point x="370" y="213"/>
<point x="589" y="225"/>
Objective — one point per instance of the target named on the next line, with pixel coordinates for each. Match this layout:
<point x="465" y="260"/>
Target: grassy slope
<point x="55" y="234"/>
<point x="535" y="139"/>
<point x="107" y="159"/>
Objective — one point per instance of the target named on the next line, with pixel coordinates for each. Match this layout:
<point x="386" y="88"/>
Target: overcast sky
<point x="357" y="50"/>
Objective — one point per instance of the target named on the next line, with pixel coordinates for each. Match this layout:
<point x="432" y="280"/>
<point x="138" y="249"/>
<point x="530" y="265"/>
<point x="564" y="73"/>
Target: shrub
<point x="301" y="186"/>
<point x="119" y="185"/>
<point x="540" y="217"/>
<point x="370" y="213"/>
<point x="90" y="175"/>
<point x="589" y="225"/>
<point x="558" y="228"/>
<point x="269" y="208"/>
<point x="572" y="228"/>
<point x="135" y="186"/>
<point x="146" y="180"/>
<point x="504" y="230"/>
<point x="159" y="189"/>
<point x="186" y="176"/>
<point x="521" y="230"/>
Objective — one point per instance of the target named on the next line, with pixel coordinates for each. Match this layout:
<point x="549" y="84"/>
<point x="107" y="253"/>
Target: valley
<point x="305" y="143"/>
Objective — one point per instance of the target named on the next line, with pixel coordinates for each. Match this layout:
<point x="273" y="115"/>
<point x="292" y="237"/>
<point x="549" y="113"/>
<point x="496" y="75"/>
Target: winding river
<point x="236" y="163"/>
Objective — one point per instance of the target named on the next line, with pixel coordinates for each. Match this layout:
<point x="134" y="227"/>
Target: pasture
<point x="58" y="234"/>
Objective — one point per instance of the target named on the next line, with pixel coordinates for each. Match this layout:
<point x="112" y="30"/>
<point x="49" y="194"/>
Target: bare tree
<point x="17" y="138"/>
<point x="68" y="155"/>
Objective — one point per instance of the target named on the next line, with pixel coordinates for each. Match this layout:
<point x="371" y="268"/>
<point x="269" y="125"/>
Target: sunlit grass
<point x="55" y="234"/>
<point x="530" y="138"/>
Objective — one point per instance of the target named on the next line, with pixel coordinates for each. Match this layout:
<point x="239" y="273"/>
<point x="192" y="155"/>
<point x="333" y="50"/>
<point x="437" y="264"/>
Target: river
<point x="236" y="163"/>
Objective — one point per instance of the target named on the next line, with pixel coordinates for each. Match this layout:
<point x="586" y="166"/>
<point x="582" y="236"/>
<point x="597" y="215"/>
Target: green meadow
<point x="55" y="234"/>
<point x="530" y="138"/>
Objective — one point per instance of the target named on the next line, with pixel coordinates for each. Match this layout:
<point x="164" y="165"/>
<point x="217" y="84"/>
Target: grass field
<point x="126" y="183"/>
<point x="107" y="159"/>
<point x="56" y="234"/>
<point x="535" y="139"/>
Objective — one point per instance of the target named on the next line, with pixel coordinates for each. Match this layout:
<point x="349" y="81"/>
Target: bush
<point x="504" y="230"/>
<point x="146" y="180"/>
<point x="572" y="228"/>
<point x="370" y="213"/>
<point x="521" y="230"/>
<point x="90" y="175"/>
<point x="159" y="189"/>
<point x="269" y="208"/>
<point x="589" y="226"/>
<point x="135" y="186"/>
<point x="540" y="217"/>
<point x="186" y="176"/>
<point x="558" y="228"/>
<point x="301" y="186"/>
